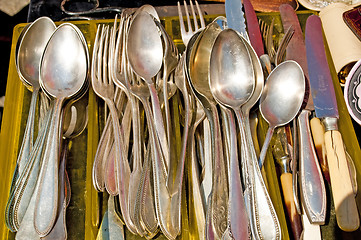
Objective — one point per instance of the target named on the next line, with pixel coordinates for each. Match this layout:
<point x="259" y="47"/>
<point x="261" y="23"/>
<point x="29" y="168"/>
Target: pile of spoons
<point x="56" y="62"/>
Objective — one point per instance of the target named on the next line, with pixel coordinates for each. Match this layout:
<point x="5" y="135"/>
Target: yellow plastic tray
<point x="86" y="207"/>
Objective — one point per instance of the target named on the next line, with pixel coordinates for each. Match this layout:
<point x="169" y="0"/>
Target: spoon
<point x="31" y="47"/>
<point x="232" y="84"/>
<point x="264" y="221"/>
<point x="281" y="99"/>
<point x="75" y="122"/>
<point x="145" y="55"/>
<point x="63" y="73"/>
<point x="197" y="69"/>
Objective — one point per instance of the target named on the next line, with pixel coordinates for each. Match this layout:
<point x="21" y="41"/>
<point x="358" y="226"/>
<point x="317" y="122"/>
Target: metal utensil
<point x="264" y="222"/>
<point x="186" y="35"/>
<point x="197" y="62"/>
<point x="235" y="17"/>
<point x="232" y="83"/>
<point x="103" y="86"/>
<point x="61" y="79"/>
<point x="281" y="89"/>
<point x="28" y="58"/>
<point x="324" y="98"/>
<point x="314" y="200"/>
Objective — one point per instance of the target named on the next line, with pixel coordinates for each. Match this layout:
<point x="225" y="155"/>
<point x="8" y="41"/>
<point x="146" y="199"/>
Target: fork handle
<point x="121" y="165"/>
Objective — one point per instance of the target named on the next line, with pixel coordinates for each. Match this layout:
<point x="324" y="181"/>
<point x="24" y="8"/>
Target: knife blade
<point x="313" y="191"/>
<point x="254" y="33"/>
<point x="324" y="98"/>
<point x="235" y="17"/>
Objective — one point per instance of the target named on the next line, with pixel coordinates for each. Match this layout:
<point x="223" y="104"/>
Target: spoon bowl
<point x="144" y="50"/>
<point x="64" y="65"/>
<point x="231" y="71"/>
<point x="198" y="65"/>
<point x="31" y="48"/>
<point x="283" y="94"/>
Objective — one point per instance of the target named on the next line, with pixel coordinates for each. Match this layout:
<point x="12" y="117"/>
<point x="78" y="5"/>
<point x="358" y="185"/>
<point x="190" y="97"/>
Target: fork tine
<point x="105" y="55"/>
<point x="194" y="16"/>
<point x="110" y="53"/>
<point x="187" y="15"/>
<point x="181" y="22"/>
<point x="99" y="51"/>
<point x="95" y="49"/>
<point x="201" y="18"/>
<point x="283" y="45"/>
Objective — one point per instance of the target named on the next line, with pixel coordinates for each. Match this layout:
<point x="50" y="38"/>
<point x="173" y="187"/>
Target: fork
<point x="283" y="45"/>
<point x="103" y="86"/>
<point x="186" y="35"/>
<point x="269" y="42"/>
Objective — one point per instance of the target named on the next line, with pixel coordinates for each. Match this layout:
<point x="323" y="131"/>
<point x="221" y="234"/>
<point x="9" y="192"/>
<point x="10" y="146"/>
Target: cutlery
<point x="324" y="99"/>
<point x="313" y="192"/>
<point x="61" y="79"/>
<point x="235" y="17"/>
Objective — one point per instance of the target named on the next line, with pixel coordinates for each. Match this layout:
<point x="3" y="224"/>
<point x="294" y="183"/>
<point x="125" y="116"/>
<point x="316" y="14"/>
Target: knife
<point x="313" y="191"/>
<point x="324" y="98"/>
<point x="254" y="33"/>
<point x="235" y="17"/>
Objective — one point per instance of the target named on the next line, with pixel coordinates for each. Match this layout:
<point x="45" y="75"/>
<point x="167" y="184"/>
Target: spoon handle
<point x="217" y="206"/>
<point x="158" y="122"/>
<point x="27" y="143"/>
<point x="47" y="196"/>
<point x="264" y="221"/>
<point x="265" y="146"/>
<point x="237" y="213"/>
<point x="313" y="189"/>
<point x="21" y="195"/>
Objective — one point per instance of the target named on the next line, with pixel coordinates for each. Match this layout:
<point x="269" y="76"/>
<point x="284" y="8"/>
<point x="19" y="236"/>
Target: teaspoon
<point x="281" y="99"/>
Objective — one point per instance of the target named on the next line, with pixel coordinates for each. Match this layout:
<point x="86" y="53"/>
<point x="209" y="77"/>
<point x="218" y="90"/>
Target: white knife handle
<point x="342" y="192"/>
<point x="313" y="191"/>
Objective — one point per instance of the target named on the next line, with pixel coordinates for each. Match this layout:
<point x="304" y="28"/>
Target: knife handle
<point x="313" y="190"/>
<point x="318" y="135"/>
<point x="342" y="191"/>
<point x="295" y="219"/>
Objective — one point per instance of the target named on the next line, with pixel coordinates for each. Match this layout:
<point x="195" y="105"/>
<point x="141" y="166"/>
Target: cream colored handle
<point x="295" y="220"/>
<point x="318" y="132"/>
<point x="342" y="192"/>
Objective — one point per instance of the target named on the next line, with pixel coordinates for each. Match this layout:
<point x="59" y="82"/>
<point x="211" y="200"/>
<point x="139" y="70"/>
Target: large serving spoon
<point x="197" y="62"/>
<point x="28" y="57"/>
<point x="63" y="72"/>
<point x="232" y="84"/>
<point x="281" y="99"/>
<point x="264" y="220"/>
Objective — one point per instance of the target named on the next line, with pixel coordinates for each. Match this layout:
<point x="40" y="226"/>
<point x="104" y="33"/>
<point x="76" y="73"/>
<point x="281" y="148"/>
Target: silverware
<point x="61" y="79"/>
<point x="103" y="86"/>
<point x="186" y="35"/>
